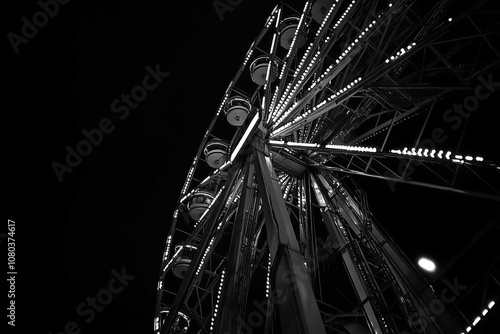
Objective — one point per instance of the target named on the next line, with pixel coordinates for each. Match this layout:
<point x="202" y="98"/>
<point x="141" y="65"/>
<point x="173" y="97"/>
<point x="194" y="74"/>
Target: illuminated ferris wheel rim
<point x="286" y="114"/>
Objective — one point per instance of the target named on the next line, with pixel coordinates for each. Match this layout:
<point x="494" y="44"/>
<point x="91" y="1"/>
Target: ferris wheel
<point x="271" y="232"/>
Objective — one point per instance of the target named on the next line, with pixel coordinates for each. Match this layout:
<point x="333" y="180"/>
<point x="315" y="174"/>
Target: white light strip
<point x="352" y="148"/>
<point x="209" y="207"/>
<point x="295" y="36"/>
<point x="314" y="109"/>
<point x="456" y="158"/>
<point x="204" y="256"/>
<point x="268" y="278"/>
<point x="173" y="257"/>
<point x="304" y="144"/>
<point x="167" y="248"/>
<point x="250" y="128"/>
<point x="335" y="147"/>
<point x="478" y="318"/>
<point x="219" y="292"/>
<point x="401" y="52"/>
<point x="189" y="176"/>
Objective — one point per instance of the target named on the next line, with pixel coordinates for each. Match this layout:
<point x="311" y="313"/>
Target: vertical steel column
<point x="298" y="311"/>
<point x="235" y="291"/>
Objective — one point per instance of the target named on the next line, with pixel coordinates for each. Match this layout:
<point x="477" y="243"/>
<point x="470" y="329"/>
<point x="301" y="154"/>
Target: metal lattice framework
<point x="286" y="243"/>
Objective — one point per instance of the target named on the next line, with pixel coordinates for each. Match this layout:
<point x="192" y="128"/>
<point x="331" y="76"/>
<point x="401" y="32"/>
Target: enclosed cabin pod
<point x="287" y="29"/>
<point x="181" y="322"/>
<point x="237" y="109"/>
<point x="183" y="261"/>
<point x="216" y="152"/>
<point x="258" y="70"/>
<point x="320" y="8"/>
<point x="199" y="202"/>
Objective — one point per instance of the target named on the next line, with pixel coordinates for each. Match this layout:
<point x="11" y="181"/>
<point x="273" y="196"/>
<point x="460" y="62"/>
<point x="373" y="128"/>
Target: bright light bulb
<point x="426" y="264"/>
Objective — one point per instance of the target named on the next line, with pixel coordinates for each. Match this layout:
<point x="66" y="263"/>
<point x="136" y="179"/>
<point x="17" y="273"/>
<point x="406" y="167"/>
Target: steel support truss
<point x="272" y="223"/>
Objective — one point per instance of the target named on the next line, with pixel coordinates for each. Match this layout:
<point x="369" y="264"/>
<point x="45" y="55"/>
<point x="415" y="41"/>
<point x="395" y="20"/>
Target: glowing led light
<point x="479" y="159"/>
<point x="268" y="278"/>
<point x="468" y="329"/>
<point x="250" y="128"/>
<point x="474" y="323"/>
<point x="450" y="19"/>
<point x="491" y="304"/>
<point x="426" y="264"/>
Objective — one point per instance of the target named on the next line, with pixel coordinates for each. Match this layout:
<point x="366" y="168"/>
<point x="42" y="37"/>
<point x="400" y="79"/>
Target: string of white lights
<point x="425" y="152"/>
<point x="189" y="176"/>
<point x="400" y="53"/>
<point x="173" y="258"/>
<point x="268" y="276"/>
<point x="330" y="146"/>
<point x="318" y="110"/>
<point x="167" y="248"/>
<point x="478" y="318"/>
<point x="218" y="300"/>
<point x="209" y="207"/>
<point x="202" y="262"/>
<point x="287" y="95"/>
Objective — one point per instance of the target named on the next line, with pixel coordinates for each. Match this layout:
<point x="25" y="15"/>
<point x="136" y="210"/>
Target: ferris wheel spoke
<point x="348" y="54"/>
<point x="289" y="58"/>
<point x="390" y="170"/>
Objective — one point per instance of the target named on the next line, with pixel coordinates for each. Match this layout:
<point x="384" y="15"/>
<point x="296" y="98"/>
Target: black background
<point x="113" y="210"/>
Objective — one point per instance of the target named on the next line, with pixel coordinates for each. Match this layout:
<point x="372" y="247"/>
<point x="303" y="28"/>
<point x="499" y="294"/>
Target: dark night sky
<point x="113" y="210"/>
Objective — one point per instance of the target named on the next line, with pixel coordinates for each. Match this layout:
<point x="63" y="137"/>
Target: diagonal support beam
<point x="289" y="276"/>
